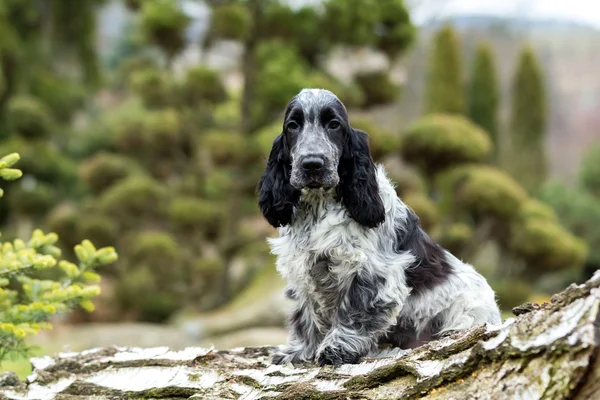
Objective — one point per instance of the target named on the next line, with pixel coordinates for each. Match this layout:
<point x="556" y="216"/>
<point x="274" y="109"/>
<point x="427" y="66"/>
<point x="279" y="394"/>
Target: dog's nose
<point x="313" y="163"/>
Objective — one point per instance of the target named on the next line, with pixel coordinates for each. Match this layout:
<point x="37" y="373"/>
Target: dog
<point x="360" y="268"/>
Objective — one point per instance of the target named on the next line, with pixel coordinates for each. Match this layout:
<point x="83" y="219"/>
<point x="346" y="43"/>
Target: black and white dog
<point x="358" y="265"/>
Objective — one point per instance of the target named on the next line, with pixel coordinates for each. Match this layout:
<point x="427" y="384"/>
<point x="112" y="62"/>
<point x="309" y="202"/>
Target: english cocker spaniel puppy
<point x="360" y="268"/>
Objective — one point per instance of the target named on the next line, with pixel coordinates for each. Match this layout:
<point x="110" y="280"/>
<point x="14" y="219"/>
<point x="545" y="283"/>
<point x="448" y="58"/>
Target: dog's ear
<point x="358" y="188"/>
<point x="277" y="197"/>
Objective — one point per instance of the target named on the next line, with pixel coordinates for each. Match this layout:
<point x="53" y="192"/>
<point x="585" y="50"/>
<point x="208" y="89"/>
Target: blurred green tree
<point x="279" y="39"/>
<point x="483" y="95"/>
<point x="48" y="59"/>
<point x="444" y="92"/>
<point x="527" y="161"/>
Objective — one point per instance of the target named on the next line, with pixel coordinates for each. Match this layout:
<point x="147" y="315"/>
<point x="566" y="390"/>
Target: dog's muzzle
<point x="313" y="173"/>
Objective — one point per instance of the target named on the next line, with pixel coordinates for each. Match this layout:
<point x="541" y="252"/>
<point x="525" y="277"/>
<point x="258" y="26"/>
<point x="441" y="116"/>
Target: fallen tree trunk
<point x="546" y="352"/>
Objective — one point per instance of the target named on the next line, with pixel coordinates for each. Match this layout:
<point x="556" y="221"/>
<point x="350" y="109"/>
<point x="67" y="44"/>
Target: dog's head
<point x="319" y="150"/>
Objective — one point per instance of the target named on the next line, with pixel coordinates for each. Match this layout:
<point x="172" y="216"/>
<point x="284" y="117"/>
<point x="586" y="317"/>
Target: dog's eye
<point x="293" y="126"/>
<point x="333" y="125"/>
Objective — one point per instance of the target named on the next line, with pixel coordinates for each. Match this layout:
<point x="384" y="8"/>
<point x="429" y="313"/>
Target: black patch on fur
<point x="298" y="323"/>
<point x="337" y="356"/>
<point x="358" y="188"/>
<point x="277" y="196"/>
<point x="320" y="269"/>
<point x="430" y="267"/>
<point x="327" y="289"/>
<point x="365" y="311"/>
<point x="404" y="335"/>
<point x="290" y="293"/>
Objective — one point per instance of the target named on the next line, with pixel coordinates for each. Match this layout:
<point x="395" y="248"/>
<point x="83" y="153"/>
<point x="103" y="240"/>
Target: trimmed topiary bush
<point x="64" y="221"/>
<point x="134" y="198"/>
<point x="163" y="23"/>
<point x="226" y="115"/>
<point x="229" y="21"/>
<point x="395" y="29"/>
<point x="148" y="300"/>
<point x="128" y="129"/>
<point x="579" y="212"/>
<point x="406" y="180"/>
<point x="512" y="293"/>
<point x="298" y="26"/>
<point x="100" y="229"/>
<point x="190" y="213"/>
<point x="61" y="96"/>
<point x="157" y="249"/>
<point x="265" y="136"/>
<point x="377" y="88"/>
<point x="456" y="237"/>
<point x="202" y="85"/>
<point x="351" y="21"/>
<point x="153" y="86"/>
<point x="103" y="170"/>
<point x="45" y="163"/>
<point x="28" y="117"/>
<point x="350" y="94"/>
<point x="424" y="208"/>
<point x="226" y="148"/>
<point x="534" y="209"/>
<point x="34" y="198"/>
<point x="218" y="184"/>
<point x="282" y="75"/>
<point x="164" y="132"/>
<point x="546" y="246"/>
<point x="381" y="141"/>
<point x="133" y="5"/>
<point x="438" y="141"/>
<point x="482" y="190"/>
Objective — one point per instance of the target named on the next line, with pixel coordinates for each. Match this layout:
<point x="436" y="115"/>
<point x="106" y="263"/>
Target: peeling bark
<point x="546" y="352"/>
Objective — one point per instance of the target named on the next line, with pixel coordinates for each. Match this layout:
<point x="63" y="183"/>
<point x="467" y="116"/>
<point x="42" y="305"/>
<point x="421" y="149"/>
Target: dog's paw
<point x="337" y="356"/>
<point x="280" y="358"/>
<point x="287" y="355"/>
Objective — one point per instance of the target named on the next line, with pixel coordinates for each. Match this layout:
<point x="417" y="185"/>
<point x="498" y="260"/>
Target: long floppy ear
<point x="358" y="186"/>
<point x="277" y="196"/>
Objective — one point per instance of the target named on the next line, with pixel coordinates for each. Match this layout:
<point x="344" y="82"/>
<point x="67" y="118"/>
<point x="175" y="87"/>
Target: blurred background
<point x="145" y="125"/>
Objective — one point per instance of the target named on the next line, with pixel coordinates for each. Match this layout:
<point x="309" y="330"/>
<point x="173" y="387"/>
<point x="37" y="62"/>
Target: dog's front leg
<point x="304" y="337"/>
<point x="366" y="312"/>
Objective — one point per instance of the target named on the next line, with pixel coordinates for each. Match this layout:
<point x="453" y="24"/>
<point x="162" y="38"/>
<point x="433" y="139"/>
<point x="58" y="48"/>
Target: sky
<point x="582" y="11"/>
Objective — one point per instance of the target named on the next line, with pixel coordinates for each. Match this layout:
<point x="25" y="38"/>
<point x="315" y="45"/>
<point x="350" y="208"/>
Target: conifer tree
<point x="483" y="92"/>
<point x="27" y="302"/>
<point x="528" y="122"/>
<point x="444" y="87"/>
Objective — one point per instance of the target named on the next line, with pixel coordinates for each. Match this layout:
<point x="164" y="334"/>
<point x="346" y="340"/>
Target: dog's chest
<point x="319" y="254"/>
